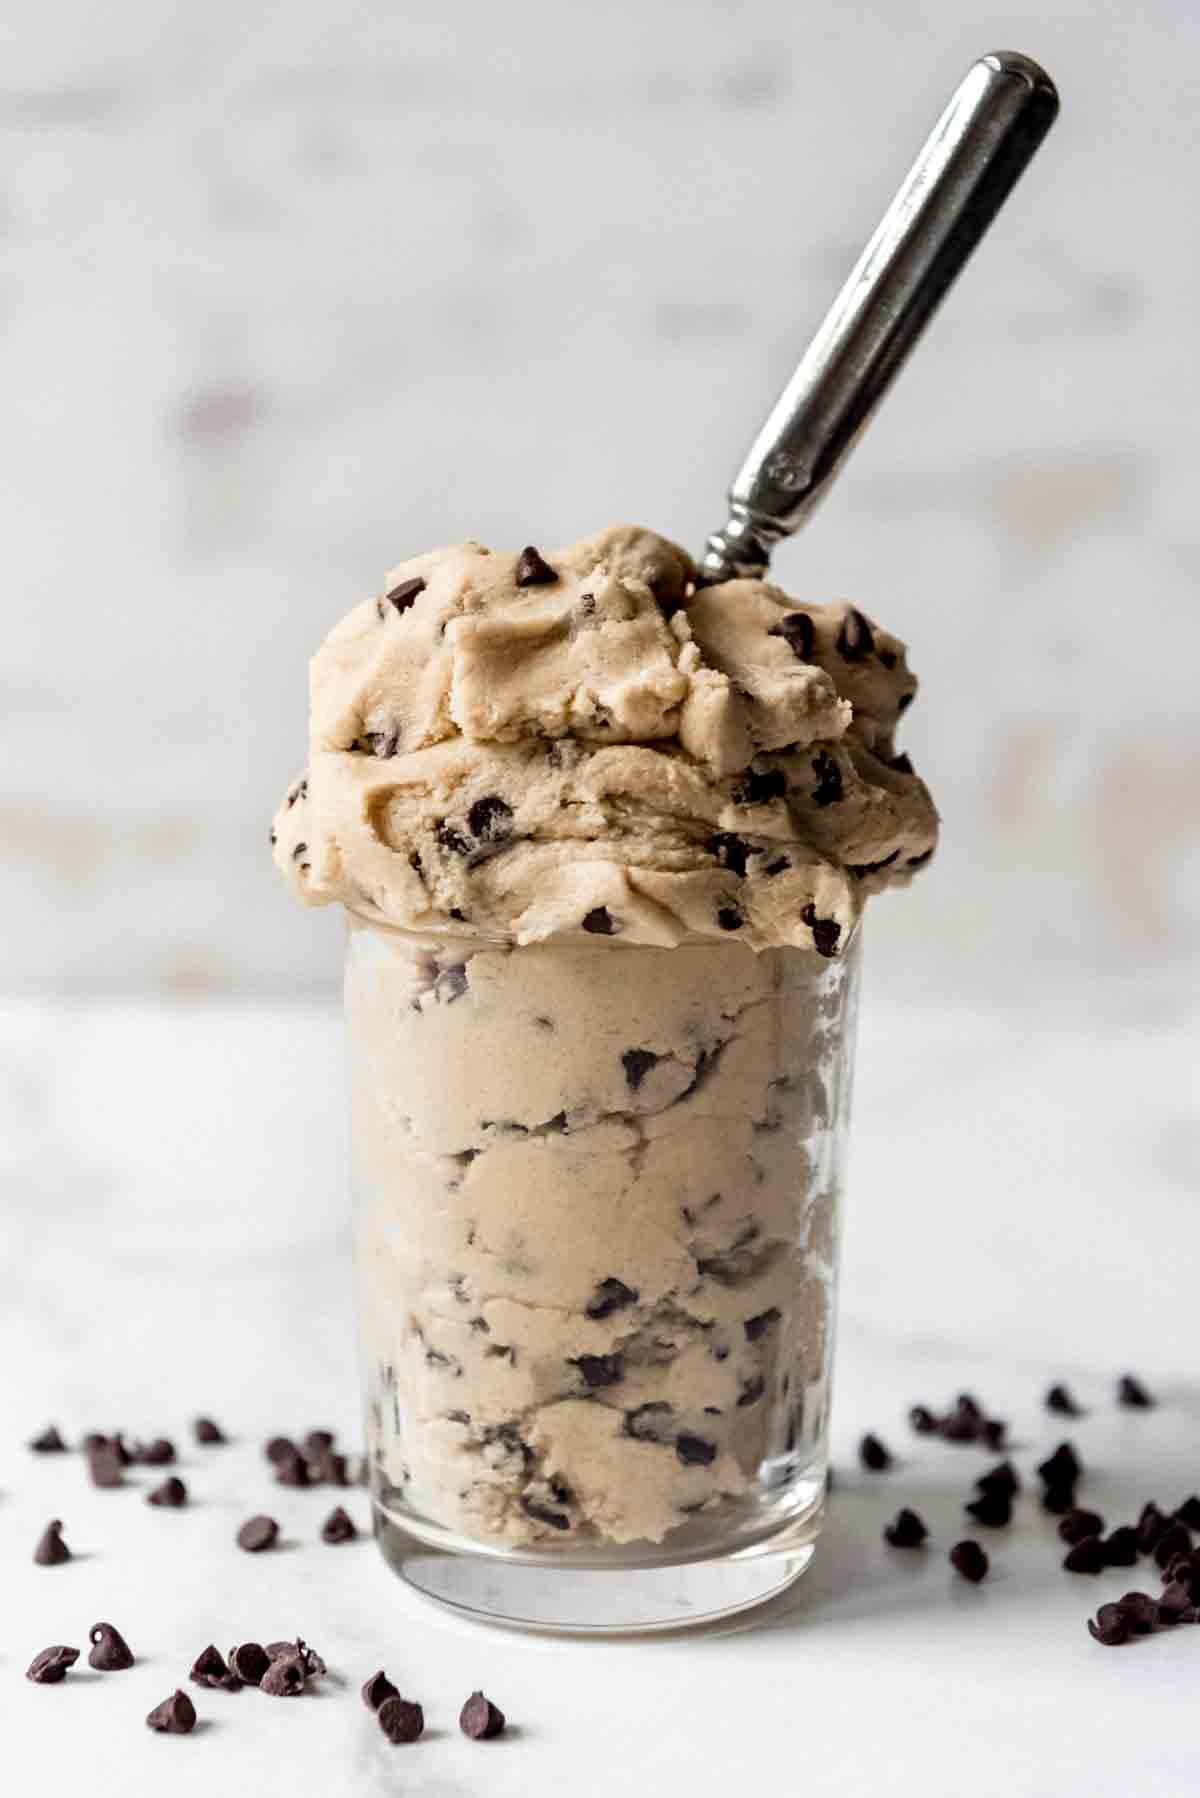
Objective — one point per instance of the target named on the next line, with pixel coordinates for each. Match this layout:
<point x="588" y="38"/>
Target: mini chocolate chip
<point x="1176" y="1539"/>
<point x="490" y="819"/>
<point x="731" y="851"/>
<point x="1139" y="1611"/>
<point x="175" y="1716"/>
<point x="1002" y="1478"/>
<point x="376" y="1689"/>
<point x="1060" y="1400"/>
<point x="1175" y="1600"/>
<point x="209" y="1669"/>
<point x="328" y="1469"/>
<point x="284" y="1677"/>
<point x="49" y="1667"/>
<point x="599" y="1370"/>
<point x="888" y="658"/>
<point x="922" y="1420"/>
<point x="272" y="838"/>
<point x="159" y="1453"/>
<point x="299" y="850"/>
<point x="828" y="789"/>
<point x="291" y="1469"/>
<point x="960" y="1426"/>
<point x="544" y="1514"/>
<point x="752" y="1390"/>
<point x="599" y="922"/>
<point x="257" y="1533"/>
<point x="172" y="1493"/>
<point x="969" y="1560"/>
<point x="452" y="840"/>
<point x="338" y="1527"/>
<point x="532" y="570"/>
<point x="1087" y="1556"/>
<point x="207" y="1432"/>
<point x="1188" y="1512"/>
<point x="694" y="1451"/>
<point x="105" y="1465"/>
<point x="919" y="861"/>
<point x="778" y="866"/>
<point x="1077" y="1525"/>
<point x="316" y="1442"/>
<point x="825" y="931"/>
<point x="610" y="1295"/>
<point x="1151" y="1525"/>
<point x="1110" y="1627"/>
<point x="646" y="1423"/>
<point x="250" y="1662"/>
<point x="993" y="1508"/>
<point x="1120" y="1546"/>
<point x="1132" y="1394"/>
<point x="901" y="764"/>
<point x="757" y="1326"/>
<point x="404" y="593"/>
<point x="51" y="1550"/>
<point x="861" y="870"/>
<point x="994" y="1432"/>
<point x="907" y="1530"/>
<point x="1062" y="1467"/>
<point x="400" y="1719"/>
<point x="480" y="1718"/>
<point x="760" y="789"/>
<point x="729" y="918"/>
<point x="110" y="1652"/>
<point x="48" y="1443"/>
<point x="280" y="1448"/>
<point x="797" y="631"/>
<point x="905" y="700"/>
<point x="968" y="1405"/>
<point x="874" y="1456"/>
<point x="637" y="1064"/>
<point x="1059" y="1499"/>
<point x="856" y="638"/>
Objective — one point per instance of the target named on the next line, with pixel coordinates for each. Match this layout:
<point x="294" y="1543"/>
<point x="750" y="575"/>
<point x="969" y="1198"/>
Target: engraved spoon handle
<point x="974" y="156"/>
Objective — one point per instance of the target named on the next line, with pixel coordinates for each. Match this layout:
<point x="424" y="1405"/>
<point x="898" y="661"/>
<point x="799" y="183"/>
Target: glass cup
<point x="596" y="1198"/>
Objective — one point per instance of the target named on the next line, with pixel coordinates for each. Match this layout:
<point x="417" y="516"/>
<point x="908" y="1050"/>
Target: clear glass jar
<point x="596" y="1219"/>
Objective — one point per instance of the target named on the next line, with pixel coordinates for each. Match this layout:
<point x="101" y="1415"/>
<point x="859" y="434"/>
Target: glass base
<point x="563" y="1599"/>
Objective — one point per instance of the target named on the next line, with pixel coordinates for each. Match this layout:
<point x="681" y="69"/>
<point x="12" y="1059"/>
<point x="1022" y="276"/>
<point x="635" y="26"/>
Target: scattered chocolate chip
<point x="907" y="1531"/>
<point x="1001" y="1478"/>
<point x="825" y="931"/>
<point x="1186" y="1569"/>
<point x="1059" y="1499"/>
<point x="756" y="1327"/>
<point x="1139" y="1611"/>
<point x="209" y="1669"/>
<point x="318" y="1442"/>
<point x="299" y="850"/>
<point x="1132" y="1394"/>
<point x="376" y="1689"/>
<point x="778" y="866"/>
<point x="159" y="1453"/>
<point x="110" y="1652"/>
<point x="905" y="700"/>
<point x="1087" y="1556"/>
<point x="1063" y="1467"/>
<point x="172" y="1493"/>
<point x="51" y="1550"/>
<point x="400" y="1719"/>
<point x="760" y="789"/>
<point x="480" y="1718"/>
<point x="856" y="638"/>
<point x="1188" y="1512"/>
<point x="258" y="1533"/>
<point x="993" y="1508"/>
<point x="731" y="851"/>
<point x="329" y="1469"/>
<point x="490" y="819"/>
<point x="1077" y="1525"/>
<point x="922" y="1420"/>
<point x="1151" y="1526"/>
<point x="968" y="1406"/>
<point x="729" y="918"/>
<point x="1109" y="1627"/>
<point x="533" y="570"/>
<point x="901" y="764"/>
<point x="1060" y="1400"/>
<point x="175" y="1716"/>
<point x="694" y="1451"/>
<point x="284" y="1677"/>
<point x="105" y="1464"/>
<point x="1174" y="1603"/>
<point x="291" y="1469"/>
<point x="599" y="922"/>
<point x="861" y="870"/>
<point x="207" y="1432"/>
<point x="611" y="1294"/>
<point x="48" y="1443"/>
<point x="452" y="840"/>
<point x="828" y="789"/>
<point x="404" y="593"/>
<point x="647" y="1422"/>
<point x="249" y="1661"/>
<point x="797" y="631"/>
<point x="280" y="1448"/>
<point x="1176" y="1539"/>
<point x="545" y="1514"/>
<point x="338" y="1527"/>
<point x="993" y="1432"/>
<point x="49" y="1667"/>
<point x="1120" y="1546"/>
<point x="969" y="1560"/>
<point x="959" y="1426"/>
<point x="874" y="1456"/>
<point x="599" y="1370"/>
<point x="751" y="1390"/>
<point x="637" y="1064"/>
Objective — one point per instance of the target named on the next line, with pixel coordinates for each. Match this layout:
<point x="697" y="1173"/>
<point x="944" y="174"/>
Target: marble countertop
<point x="1021" y="1210"/>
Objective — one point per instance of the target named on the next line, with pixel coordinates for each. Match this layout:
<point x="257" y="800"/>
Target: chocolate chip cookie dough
<point x="603" y="840"/>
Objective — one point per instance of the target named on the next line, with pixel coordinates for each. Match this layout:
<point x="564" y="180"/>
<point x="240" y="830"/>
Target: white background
<point x="289" y="292"/>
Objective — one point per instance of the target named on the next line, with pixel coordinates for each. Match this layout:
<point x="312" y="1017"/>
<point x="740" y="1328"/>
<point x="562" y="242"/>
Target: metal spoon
<point x="977" y="151"/>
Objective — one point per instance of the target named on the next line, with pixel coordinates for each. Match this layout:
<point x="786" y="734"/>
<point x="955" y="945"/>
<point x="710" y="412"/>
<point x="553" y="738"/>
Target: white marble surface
<point x="1022" y="1208"/>
<point x="289" y="292"/>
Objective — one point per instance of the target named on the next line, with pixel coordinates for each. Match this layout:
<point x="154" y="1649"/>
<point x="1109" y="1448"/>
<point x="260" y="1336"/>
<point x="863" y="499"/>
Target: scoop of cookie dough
<point x="523" y="747"/>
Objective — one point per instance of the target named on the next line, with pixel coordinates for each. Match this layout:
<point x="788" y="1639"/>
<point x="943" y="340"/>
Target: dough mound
<point x="523" y="747"/>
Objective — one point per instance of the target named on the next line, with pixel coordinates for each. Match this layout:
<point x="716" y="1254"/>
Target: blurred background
<point x="290" y="292"/>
